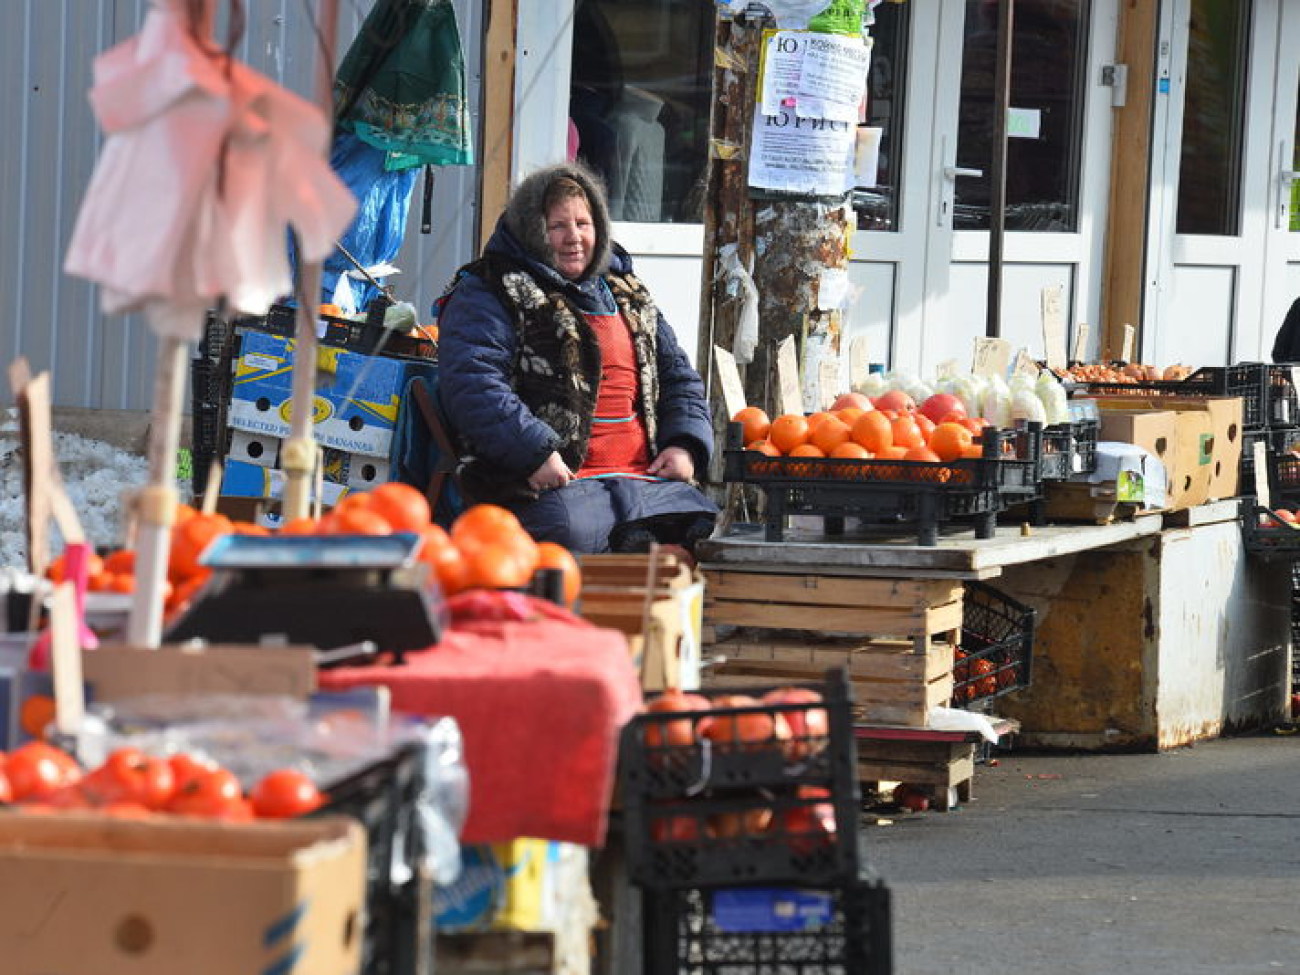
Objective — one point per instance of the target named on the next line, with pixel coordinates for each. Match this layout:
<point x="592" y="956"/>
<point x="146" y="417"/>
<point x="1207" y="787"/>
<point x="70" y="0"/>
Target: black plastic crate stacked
<point x="1069" y="448"/>
<point x="893" y="495"/>
<point x="384" y="797"/>
<point x="730" y="820"/>
<point x="366" y="337"/>
<point x="211" y="375"/>
<point x="995" y="655"/>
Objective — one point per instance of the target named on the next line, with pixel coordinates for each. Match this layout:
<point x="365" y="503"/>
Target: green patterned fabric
<point x="401" y="86"/>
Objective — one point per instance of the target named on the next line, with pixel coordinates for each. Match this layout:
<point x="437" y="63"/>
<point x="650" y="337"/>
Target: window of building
<point x="877" y="206"/>
<point x="1048" y="84"/>
<point x="642" y="76"/>
<point x="1214" y="109"/>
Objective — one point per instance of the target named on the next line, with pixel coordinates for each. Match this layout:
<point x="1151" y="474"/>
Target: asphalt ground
<point x="1185" y="862"/>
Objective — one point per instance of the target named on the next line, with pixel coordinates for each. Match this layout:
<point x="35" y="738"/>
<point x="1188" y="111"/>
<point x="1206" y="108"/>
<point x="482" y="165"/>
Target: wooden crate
<point x="892" y="682"/>
<point x="947" y="767"/>
<point x="655" y="602"/>
<point x="914" y="609"/>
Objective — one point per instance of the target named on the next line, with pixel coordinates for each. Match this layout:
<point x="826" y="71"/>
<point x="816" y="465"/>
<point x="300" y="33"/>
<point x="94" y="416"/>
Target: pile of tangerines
<point x="890" y="427"/>
<point x="485" y="548"/>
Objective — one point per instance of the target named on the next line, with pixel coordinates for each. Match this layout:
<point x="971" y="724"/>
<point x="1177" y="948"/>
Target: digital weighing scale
<point x="328" y="591"/>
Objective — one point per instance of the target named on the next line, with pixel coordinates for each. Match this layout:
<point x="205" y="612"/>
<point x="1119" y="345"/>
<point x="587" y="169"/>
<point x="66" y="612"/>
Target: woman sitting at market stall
<point x="570" y="400"/>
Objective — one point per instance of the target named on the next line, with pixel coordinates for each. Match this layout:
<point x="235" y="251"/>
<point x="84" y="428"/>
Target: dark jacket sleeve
<point x="684" y="416"/>
<point x="476" y="353"/>
<point x="1286" y="346"/>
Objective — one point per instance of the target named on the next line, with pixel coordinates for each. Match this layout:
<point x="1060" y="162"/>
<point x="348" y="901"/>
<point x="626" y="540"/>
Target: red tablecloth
<point x="540" y="706"/>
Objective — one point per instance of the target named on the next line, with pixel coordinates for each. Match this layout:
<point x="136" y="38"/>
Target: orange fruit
<point x="849" y="414"/>
<point x="36" y="714"/>
<point x="483" y="524"/>
<point x="442" y="556"/>
<point x="764" y="447"/>
<point x="924" y="424"/>
<point x="950" y="440"/>
<point x="404" y="507"/>
<point x="921" y="453"/>
<point x="972" y="451"/>
<point x="552" y="555"/>
<point x="123" y="560"/>
<point x="892" y="452"/>
<point x="906" y="433"/>
<point x="755" y="423"/>
<point x="975" y="424"/>
<point x="189" y="539"/>
<point x="830" y="433"/>
<point x="807" y="450"/>
<point x="299" y="526"/>
<point x="497" y="565"/>
<point x="873" y="431"/>
<point x="851" y="450"/>
<point x="854" y="400"/>
<point x="354" y="516"/>
<point x="788" y="431"/>
<point x="250" y="528"/>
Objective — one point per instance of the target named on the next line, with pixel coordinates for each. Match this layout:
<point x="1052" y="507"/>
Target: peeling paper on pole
<point x="737" y="281"/>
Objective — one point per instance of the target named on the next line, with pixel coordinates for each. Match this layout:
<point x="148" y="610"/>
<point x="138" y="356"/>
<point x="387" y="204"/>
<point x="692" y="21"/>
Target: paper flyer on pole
<point x="805" y="120"/>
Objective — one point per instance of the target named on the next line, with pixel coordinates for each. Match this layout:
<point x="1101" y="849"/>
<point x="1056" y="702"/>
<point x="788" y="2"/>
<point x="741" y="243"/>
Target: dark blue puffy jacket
<point x="476" y="354"/>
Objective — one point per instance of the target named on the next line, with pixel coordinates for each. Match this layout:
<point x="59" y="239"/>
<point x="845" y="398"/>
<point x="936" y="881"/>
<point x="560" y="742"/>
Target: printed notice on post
<point x="799" y="155"/>
<point x="817" y="75"/>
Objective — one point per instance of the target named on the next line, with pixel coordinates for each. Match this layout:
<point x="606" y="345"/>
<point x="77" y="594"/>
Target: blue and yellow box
<point x="523" y="885"/>
<point x="355" y="404"/>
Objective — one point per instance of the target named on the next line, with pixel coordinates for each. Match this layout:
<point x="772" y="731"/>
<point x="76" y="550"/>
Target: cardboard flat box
<point x="93" y="895"/>
<point x="1226" y="438"/>
<point x="116" y="672"/>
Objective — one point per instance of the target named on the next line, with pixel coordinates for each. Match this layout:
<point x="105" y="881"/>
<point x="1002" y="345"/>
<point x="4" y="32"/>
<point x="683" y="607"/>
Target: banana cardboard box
<point x="356" y="401"/>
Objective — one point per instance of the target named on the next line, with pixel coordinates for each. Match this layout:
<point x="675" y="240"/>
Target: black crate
<point x="842" y="930"/>
<point x="1268" y="537"/>
<point x="1268" y="397"/>
<point x="894" y="494"/>
<point x="1278" y="441"/>
<point x="368" y="337"/>
<point x="997" y="640"/>
<point x="1068" y="449"/>
<point x="384" y="797"/>
<point x="714" y="811"/>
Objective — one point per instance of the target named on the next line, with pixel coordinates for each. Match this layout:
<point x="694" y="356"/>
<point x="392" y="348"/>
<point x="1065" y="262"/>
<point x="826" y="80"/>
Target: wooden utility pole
<point x="791" y="242"/>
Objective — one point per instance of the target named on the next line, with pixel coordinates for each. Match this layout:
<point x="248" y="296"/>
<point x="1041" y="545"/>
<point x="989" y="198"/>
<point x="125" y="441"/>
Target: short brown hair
<point x="561" y="189"/>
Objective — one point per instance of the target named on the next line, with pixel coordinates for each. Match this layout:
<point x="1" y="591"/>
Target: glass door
<point x="923" y="276"/>
<point x="1220" y="197"/>
<point x="1282" y="261"/>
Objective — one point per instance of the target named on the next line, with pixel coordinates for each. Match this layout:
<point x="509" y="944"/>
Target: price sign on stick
<point x="1025" y="365"/>
<point x="1053" y="311"/>
<point x="828" y="383"/>
<point x="69" y="694"/>
<point x="992" y="357"/>
<point x="789" y="399"/>
<point x="1126" y="348"/>
<point x="1081" y="342"/>
<point x="733" y="390"/>
<point x="859" y="367"/>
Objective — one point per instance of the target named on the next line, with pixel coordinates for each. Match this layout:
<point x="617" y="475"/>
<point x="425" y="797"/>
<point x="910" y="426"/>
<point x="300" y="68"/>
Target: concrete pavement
<point x="1185" y="862"/>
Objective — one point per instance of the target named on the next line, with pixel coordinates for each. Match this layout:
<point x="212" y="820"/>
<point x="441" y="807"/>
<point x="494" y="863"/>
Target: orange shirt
<point x="618" y="438"/>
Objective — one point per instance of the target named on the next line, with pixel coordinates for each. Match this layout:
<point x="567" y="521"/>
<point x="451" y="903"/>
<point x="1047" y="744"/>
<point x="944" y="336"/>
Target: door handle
<point x="952" y="172"/>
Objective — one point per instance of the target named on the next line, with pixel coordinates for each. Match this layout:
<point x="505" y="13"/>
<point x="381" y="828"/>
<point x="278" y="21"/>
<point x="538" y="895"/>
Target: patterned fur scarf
<point x="558" y="360"/>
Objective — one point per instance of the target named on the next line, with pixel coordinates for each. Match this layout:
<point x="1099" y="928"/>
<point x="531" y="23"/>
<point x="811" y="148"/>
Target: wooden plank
<point x="497" y="117"/>
<point x="945" y="774"/>
<point x="1125" y="236"/>
<point x="496" y="952"/>
<point x="888" y="660"/>
<point x="926" y="752"/>
<point x="877" y="621"/>
<point x="806" y="589"/>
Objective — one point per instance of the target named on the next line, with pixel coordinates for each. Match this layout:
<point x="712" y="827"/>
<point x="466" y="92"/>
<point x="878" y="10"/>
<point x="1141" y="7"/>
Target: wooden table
<point x="1150" y="633"/>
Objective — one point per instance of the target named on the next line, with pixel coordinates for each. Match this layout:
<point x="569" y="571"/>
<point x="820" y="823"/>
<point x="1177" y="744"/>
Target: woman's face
<point x="571" y="235"/>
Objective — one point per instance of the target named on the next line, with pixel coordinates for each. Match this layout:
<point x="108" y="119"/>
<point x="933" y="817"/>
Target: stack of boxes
<point x="355" y="412"/>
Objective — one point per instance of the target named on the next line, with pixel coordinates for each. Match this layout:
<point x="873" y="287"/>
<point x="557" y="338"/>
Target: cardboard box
<point x="244" y="480"/>
<point x="1226" y="437"/>
<point x="356" y="402"/>
<point x="116" y="672"/>
<point x="92" y="895"/>
<point x="1188" y="465"/>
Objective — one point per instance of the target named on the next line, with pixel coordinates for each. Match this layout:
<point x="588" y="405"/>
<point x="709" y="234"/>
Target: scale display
<point x="311" y="551"/>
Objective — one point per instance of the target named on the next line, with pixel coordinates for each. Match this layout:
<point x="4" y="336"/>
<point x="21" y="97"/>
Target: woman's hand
<point x="551" y="476"/>
<point x="674" y="463"/>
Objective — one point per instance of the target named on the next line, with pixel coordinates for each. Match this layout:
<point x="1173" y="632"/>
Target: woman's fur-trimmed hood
<point x="525" y="215"/>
